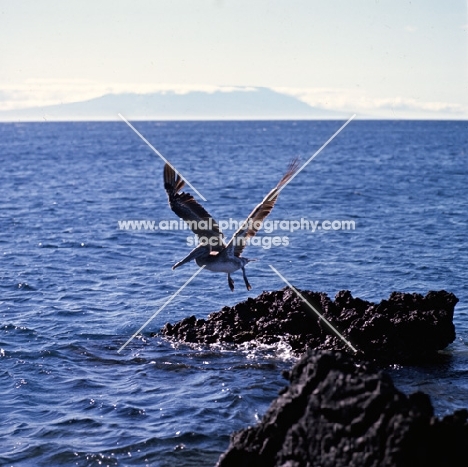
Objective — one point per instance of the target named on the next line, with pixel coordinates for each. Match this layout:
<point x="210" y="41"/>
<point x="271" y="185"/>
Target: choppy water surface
<point x="74" y="287"/>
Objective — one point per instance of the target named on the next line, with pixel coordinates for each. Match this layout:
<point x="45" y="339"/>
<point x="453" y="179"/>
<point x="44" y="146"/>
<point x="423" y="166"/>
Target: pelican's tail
<point x="194" y="254"/>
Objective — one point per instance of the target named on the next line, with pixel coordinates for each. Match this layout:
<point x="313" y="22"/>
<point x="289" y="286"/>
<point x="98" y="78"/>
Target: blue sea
<point x="75" y="286"/>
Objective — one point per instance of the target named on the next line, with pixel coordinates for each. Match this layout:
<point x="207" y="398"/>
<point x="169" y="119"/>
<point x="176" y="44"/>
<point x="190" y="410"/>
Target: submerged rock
<point x="336" y="413"/>
<point x="406" y="327"/>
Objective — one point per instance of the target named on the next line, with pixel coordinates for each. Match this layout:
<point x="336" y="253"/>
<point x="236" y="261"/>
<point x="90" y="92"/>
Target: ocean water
<point x="75" y="287"/>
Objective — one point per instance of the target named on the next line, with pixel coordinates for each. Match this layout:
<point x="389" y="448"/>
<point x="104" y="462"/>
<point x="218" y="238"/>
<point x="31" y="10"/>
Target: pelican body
<point x="212" y="252"/>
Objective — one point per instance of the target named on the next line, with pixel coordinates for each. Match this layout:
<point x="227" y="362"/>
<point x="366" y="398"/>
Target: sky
<point x="384" y="58"/>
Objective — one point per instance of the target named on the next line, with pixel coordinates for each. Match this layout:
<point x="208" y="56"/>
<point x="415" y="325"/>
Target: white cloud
<point x="33" y="93"/>
<point x="356" y="101"/>
<point x="40" y="93"/>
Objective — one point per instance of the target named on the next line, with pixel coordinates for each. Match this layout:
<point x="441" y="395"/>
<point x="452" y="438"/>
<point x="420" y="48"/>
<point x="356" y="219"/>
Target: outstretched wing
<point x="184" y="205"/>
<point x="253" y="223"/>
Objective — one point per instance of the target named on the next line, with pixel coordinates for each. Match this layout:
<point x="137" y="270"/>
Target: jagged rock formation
<point x="404" y="328"/>
<point x="337" y="413"/>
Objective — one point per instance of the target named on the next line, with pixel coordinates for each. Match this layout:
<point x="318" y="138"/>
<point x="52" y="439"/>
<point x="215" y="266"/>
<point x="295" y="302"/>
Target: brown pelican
<point x="212" y="252"/>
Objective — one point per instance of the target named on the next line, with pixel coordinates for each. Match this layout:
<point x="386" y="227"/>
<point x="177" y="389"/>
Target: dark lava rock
<point x="336" y="413"/>
<point x="405" y="328"/>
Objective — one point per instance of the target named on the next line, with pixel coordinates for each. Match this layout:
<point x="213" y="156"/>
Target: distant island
<point x="252" y="103"/>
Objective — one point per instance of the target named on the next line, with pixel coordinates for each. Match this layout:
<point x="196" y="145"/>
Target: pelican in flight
<point x="212" y="252"/>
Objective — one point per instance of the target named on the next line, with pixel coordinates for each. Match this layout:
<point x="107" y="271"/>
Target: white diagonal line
<point x="313" y="156"/>
<point x="160" y="155"/>
<point x="314" y="310"/>
<point x="198" y="271"/>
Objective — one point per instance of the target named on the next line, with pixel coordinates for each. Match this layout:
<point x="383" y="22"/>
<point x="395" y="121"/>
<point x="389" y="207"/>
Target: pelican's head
<point x="246" y="260"/>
